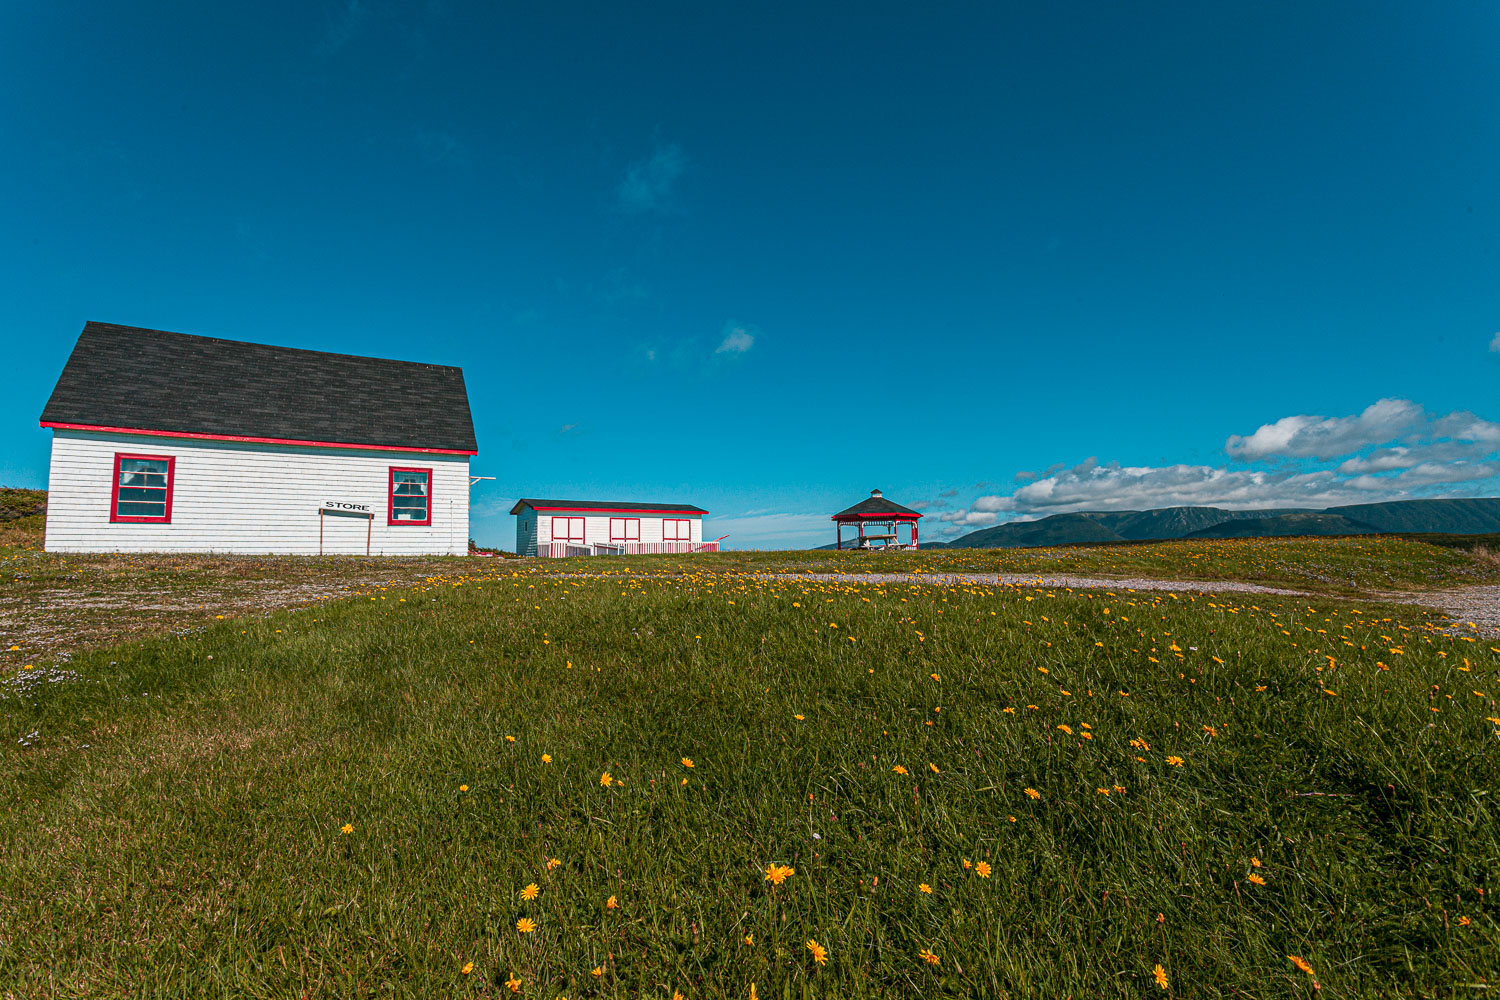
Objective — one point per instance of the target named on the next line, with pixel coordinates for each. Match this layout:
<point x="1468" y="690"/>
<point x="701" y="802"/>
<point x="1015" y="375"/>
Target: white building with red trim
<point x="166" y="442"/>
<point x="560" y="528"/>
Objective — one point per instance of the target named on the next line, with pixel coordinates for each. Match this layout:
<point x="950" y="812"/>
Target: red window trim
<point x="569" y="536"/>
<point x="390" y="498"/>
<point x="252" y="440"/>
<point x="625" y="529"/>
<point x="681" y="522"/>
<point x="114" y="493"/>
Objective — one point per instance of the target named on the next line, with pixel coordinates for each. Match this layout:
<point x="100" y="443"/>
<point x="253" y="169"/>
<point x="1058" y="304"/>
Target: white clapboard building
<point x="561" y="528"/>
<point x="166" y="442"/>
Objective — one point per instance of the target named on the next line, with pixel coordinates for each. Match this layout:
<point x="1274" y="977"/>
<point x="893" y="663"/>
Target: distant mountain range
<point x="1456" y="517"/>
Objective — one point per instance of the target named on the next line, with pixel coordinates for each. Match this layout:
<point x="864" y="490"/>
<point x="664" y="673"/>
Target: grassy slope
<point x="193" y="848"/>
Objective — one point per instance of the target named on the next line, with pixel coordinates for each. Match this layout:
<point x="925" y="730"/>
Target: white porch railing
<point x="561" y="550"/>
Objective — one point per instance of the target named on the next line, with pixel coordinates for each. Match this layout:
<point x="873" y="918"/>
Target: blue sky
<point x="999" y="260"/>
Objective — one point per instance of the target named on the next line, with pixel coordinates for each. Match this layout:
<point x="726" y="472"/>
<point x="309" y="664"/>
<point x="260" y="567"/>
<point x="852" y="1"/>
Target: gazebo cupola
<point x="878" y="521"/>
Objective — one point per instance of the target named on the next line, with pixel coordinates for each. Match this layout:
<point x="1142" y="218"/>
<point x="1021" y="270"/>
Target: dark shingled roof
<point x="124" y="376"/>
<point x="671" y="508"/>
<point x="876" y="504"/>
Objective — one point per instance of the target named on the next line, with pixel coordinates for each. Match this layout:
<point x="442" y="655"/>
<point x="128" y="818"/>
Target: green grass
<point x="193" y="848"/>
<point x="1349" y="566"/>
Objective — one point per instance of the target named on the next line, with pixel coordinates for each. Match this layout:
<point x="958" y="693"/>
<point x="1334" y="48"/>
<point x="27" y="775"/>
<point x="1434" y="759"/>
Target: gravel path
<point x="1049" y="582"/>
<point x="1480" y="605"/>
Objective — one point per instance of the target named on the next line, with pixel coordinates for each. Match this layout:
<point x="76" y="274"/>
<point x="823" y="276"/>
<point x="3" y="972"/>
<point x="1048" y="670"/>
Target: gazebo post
<point x="861" y="532"/>
<point x="838" y="536"/>
<point x="914" y="535"/>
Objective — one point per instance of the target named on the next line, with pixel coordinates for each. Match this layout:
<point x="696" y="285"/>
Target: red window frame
<point x="683" y="526"/>
<point x="620" y="529"/>
<point x="390" y="498"/>
<point x="567" y="530"/>
<point x="114" y="494"/>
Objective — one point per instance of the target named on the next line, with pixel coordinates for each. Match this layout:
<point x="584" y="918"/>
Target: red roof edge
<point x="876" y="517"/>
<point x="254" y="440"/>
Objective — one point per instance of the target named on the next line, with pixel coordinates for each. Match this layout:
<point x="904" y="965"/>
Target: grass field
<point x="980" y="791"/>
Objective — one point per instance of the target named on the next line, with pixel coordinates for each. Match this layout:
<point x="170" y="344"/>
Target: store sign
<point x="340" y="506"/>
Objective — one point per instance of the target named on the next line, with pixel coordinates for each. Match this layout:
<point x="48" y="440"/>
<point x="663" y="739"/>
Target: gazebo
<point x="877" y="519"/>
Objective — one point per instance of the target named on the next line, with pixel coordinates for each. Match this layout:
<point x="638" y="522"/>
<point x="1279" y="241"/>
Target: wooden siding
<point x="250" y="498"/>
<point x="596" y="526"/>
<point x="526" y="537"/>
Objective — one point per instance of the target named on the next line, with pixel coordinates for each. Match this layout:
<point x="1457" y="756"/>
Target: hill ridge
<point x="1462" y="516"/>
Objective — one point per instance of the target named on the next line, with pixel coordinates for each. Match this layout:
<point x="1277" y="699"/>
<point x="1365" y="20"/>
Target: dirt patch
<point x="52" y="606"/>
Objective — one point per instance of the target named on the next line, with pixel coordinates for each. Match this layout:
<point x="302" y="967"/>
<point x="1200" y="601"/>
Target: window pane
<point x="128" y="508"/>
<point x="152" y="466"/>
<point x="136" y="493"/>
<point x="409" y="495"/>
<point x="409" y="508"/>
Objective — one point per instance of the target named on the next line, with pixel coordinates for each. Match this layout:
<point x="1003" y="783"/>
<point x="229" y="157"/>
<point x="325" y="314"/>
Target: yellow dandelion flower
<point x="552" y="863"/>
<point x="899" y="769"/>
<point x="1174" y="760"/>
<point x="1256" y="879"/>
<point x="749" y="940"/>
<point x="799" y="718"/>
<point x="1300" y="963"/>
<point x="513" y="983"/>
<point x="468" y="968"/>
<point x="606" y="779"/>
<point x="525" y="925"/>
<point x="611" y="903"/>
<point x="934" y="768"/>
<point x="982" y="869"/>
<point x="928" y="957"/>
<point x="925" y="887"/>
<point x="1033" y="793"/>
<point x="967" y="864"/>
<point x="347" y="828"/>
<point x="1161" y="975"/>
<point x="546" y="758"/>
<point x="687" y="762"/>
<point x="463" y="788"/>
<point x="819" y="953"/>
<point x="777" y="874"/>
<point x="531" y="891"/>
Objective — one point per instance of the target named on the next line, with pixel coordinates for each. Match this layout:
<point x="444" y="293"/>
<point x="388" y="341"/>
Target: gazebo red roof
<point x="877" y="508"/>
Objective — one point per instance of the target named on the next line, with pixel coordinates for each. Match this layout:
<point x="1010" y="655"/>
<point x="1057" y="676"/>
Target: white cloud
<point x="1323" y="438"/>
<point x="648" y="183"/>
<point x="1495" y="343"/>
<point x="737" y="339"/>
<point x="969" y="518"/>
<point x="342" y="27"/>
<point x="1391" y="450"/>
